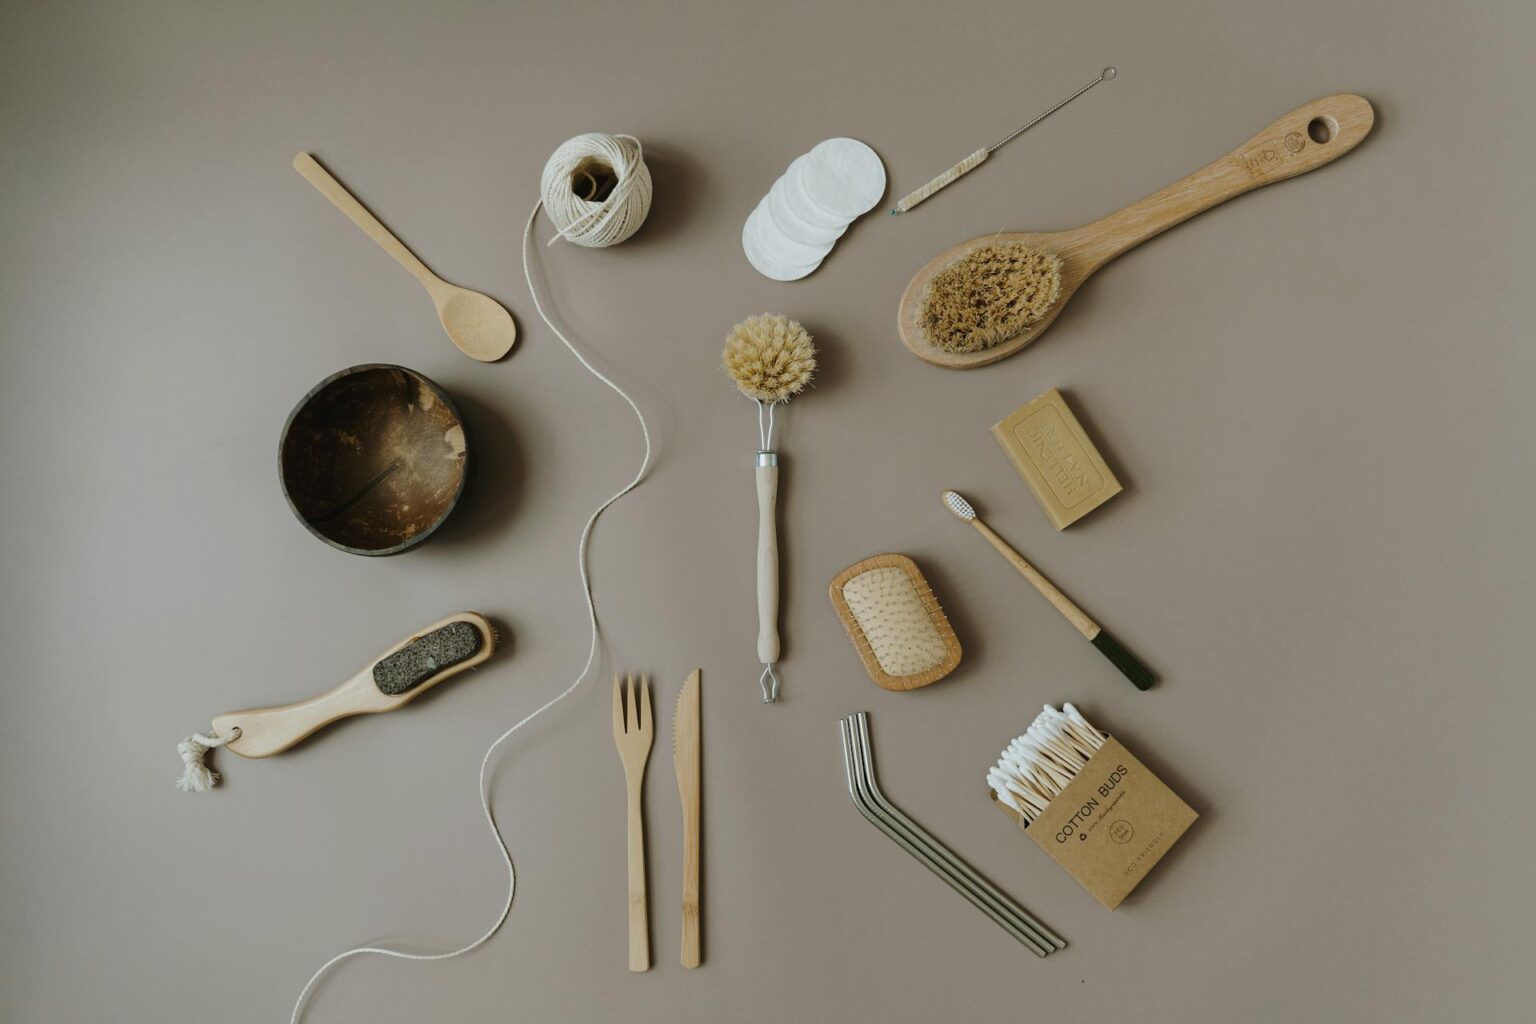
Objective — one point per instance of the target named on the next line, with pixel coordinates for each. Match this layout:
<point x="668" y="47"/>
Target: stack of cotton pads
<point x="810" y="206"/>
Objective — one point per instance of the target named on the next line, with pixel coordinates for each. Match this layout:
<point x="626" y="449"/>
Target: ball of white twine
<point x="576" y="174"/>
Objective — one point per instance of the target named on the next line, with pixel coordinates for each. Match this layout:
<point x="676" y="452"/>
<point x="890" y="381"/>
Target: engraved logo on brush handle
<point x="1262" y="158"/>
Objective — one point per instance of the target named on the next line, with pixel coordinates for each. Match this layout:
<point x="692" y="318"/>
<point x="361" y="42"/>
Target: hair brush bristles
<point x="988" y="296"/>
<point x="959" y="506"/>
<point x="770" y="357"/>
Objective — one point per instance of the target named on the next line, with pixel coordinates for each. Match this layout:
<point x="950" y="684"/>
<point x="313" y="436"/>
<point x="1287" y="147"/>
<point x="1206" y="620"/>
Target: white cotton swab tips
<point x="1034" y="768"/>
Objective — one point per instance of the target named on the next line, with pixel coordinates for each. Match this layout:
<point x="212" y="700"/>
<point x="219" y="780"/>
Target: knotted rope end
<point x="196" y="776"/>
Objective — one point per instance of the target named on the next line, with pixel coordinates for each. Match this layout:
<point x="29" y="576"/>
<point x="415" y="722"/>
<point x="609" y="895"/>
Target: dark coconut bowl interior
<point x="373" y="459"/>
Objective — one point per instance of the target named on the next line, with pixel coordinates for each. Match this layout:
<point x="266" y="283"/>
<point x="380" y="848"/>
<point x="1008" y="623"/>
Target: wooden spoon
<point x="1303" y="140"/>
<point x="476" y="323"/>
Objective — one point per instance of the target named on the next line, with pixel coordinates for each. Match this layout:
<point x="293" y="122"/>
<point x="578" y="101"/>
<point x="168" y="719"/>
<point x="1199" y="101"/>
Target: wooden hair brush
<point x="898" y="629"/>
<point x="985" y="299"/>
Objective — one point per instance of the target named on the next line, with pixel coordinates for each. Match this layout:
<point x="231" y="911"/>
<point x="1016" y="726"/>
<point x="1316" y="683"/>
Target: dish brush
<point x="771" y="358"/>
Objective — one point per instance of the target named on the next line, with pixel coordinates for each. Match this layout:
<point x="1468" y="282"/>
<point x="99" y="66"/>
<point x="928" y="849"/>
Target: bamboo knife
<point x="685" y="758"/>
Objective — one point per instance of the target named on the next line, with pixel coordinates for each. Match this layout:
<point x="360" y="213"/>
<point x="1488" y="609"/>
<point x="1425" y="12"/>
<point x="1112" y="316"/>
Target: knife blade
<point x="685" y="760"/>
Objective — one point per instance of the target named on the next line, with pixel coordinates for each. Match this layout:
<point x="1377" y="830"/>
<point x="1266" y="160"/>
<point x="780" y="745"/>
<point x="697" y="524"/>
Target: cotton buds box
<point x="1089" y="803"/>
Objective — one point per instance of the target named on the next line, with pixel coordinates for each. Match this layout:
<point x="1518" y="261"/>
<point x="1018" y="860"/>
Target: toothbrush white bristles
<point x="959" y="506"/>
<point x="1035" y="767"/>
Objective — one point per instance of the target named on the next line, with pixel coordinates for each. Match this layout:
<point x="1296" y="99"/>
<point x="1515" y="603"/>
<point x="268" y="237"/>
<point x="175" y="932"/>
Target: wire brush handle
<point x="965" y="166"/>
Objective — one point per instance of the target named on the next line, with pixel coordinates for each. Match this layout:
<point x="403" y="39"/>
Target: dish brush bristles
<point x="989" y="296"/>
<point x="959" y="506"/>
<point x="770" y="357"/>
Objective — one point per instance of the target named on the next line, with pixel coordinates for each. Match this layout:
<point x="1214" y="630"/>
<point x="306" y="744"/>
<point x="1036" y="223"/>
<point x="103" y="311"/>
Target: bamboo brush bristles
<point x="770" y="357"/>
<point x="989" y="296"/>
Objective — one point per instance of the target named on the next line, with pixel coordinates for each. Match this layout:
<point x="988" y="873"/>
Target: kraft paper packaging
<point x="1111" y="824"/>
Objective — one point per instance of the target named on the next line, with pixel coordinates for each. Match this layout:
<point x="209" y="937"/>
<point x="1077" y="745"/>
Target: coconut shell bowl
<point x="373" y="459"/>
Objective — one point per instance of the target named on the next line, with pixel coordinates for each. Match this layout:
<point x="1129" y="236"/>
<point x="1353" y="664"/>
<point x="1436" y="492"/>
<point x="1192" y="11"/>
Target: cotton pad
<point x="807" y="210"/>
<point x="764" y="263"/>
<point x="779" y="246"/>
<point x="792" y="225"/>
<point x="799" y="202"/>
<point x="844" y="177"/>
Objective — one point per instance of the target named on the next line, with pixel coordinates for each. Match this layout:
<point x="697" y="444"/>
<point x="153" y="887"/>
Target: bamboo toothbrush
<point x="1094" y="633"/>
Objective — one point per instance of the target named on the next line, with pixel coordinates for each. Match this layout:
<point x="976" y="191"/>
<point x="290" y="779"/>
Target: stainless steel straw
<point x="866" y="796"/>
<point x="921" y="844"/>
<point x="867" y="757"/>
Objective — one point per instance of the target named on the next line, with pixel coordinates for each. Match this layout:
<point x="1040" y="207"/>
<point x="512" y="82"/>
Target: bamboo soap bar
<point x="1056" y="459"/>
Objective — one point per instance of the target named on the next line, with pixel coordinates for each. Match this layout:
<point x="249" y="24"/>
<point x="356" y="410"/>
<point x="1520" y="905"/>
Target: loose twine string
<point x="594" y="224"/>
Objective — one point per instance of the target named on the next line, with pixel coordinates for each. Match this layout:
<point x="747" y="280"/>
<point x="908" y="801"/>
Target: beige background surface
<point x="1318" y="397"/>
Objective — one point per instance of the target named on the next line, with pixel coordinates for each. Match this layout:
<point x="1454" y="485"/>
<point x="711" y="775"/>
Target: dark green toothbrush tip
<point x="1123" y="660"/>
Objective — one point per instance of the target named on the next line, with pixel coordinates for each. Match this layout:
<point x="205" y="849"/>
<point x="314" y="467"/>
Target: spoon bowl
<point x="478" y="324"/>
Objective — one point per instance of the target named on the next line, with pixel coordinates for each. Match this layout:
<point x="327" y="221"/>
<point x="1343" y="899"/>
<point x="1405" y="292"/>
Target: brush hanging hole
<point x="1321" y="130"/>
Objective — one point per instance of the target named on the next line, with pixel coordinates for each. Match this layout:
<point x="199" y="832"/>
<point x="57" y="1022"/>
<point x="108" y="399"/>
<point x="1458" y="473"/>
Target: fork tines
<point x="628" y="718"/>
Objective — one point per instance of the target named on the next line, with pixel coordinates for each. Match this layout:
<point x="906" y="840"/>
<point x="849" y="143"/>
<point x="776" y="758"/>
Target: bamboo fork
<point x="633" y="730"/>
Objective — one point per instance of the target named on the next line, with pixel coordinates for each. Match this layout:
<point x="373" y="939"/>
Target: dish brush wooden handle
<point x="965" y="166"/>
<point x="1307" y="138"/>
<point x="767" y="557"/>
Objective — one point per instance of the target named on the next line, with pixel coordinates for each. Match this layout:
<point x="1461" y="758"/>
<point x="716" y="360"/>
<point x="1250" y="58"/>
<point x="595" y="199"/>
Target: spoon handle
<point x="1308" y="137"/>
<point x="358" y="213"/>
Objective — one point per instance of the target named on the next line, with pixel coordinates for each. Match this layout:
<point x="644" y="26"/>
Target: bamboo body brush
<point x="986" y="298"/>
<point x="771" y="358"/>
